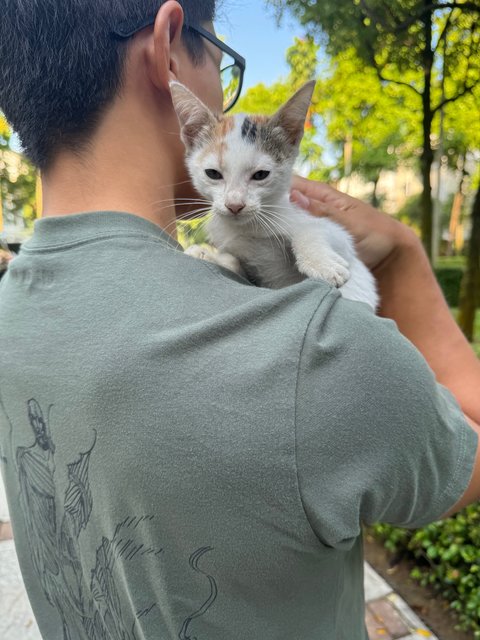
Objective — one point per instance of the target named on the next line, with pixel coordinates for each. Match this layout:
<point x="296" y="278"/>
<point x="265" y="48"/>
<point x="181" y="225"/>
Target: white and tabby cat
<point x="243" y="165"/>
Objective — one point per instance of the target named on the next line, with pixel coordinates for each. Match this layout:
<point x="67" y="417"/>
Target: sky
<point x="250" y="28"/>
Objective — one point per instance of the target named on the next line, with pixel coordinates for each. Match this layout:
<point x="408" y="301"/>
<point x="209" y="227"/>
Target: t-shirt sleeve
<point x="377" y="438"/>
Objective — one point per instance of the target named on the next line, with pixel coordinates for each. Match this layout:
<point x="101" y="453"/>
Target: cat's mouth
<point x="240" y="218"/>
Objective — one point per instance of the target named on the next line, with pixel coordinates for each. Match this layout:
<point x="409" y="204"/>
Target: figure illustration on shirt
<point x="54" y="547"/>
<point x="87" y="611"/>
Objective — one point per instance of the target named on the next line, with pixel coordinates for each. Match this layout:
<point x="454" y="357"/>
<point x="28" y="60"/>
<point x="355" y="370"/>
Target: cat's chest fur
<point x="266" y="257"/>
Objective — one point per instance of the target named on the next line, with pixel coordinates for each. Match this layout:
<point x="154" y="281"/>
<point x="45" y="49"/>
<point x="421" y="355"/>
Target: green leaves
<point x="447" y="554"/>
<point x="18" y="181"/>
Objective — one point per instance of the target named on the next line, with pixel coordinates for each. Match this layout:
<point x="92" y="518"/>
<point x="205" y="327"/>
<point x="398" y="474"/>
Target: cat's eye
<point x="260" y="175"/>
<point x="213" y="174"/>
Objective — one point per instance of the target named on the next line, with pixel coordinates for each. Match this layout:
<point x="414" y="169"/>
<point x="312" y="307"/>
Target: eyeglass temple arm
<point x="125" y="31"/>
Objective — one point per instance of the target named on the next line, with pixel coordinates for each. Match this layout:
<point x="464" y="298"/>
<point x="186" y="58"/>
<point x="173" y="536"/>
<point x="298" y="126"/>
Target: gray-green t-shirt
<point x="190" y="456"/>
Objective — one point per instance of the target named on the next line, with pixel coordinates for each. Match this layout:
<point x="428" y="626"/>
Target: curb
<point x="388" y="616"/>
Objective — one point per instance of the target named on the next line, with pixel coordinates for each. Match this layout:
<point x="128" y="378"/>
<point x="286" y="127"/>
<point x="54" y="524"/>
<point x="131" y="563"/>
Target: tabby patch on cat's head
<point x="240" y="163"/>
<point x="278" y="135"/>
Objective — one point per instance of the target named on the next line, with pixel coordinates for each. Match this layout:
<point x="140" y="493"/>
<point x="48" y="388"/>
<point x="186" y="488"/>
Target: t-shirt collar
<point x="55" y="231"/>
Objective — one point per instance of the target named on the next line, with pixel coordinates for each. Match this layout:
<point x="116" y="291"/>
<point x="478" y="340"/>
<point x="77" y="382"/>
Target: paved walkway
<point x="388" y="617"/>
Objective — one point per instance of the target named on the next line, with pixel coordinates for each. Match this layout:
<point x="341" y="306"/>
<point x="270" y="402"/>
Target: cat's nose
<point x="235" y="208"/>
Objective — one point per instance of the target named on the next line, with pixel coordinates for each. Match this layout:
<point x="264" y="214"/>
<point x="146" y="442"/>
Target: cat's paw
<point x="225" y="260"/>
<point x="201" y="253"/>
<point x="332" y="268"/>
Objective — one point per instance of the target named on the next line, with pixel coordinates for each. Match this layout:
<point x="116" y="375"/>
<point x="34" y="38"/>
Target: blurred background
<point x="395" y="121"/>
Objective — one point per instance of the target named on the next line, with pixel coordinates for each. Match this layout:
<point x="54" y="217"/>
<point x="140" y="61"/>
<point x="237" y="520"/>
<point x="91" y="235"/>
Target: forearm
<point x="412" y="298"/>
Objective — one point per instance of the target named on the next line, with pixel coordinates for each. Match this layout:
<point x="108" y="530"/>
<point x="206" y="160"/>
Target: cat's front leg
<point x="225" y="260"/>
<point x="316" y="259"/>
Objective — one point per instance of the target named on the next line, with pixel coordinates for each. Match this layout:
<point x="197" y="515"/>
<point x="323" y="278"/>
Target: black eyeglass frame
<point x="125" y="31"/>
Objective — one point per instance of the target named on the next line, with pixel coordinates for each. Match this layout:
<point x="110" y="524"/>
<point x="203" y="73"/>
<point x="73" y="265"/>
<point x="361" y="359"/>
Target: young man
<point x="187" y="455"/>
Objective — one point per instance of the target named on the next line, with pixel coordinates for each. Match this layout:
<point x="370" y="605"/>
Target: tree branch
<point x="382" y="78"/>
<point x="435" y="6"/>
<point x="466" y="89"/>
<point x="399" y="82"/>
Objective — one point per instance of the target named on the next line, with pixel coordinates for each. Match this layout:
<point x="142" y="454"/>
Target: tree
<point x="372" y="126"/>
<point x="470" y="290"/>
<point x="430" y="47"/>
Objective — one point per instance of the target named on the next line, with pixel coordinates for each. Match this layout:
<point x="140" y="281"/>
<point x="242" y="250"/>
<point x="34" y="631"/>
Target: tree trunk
<point x="427" y="155"/>
<point x="470" y="292"/>
<point x="375" y="201"/>
<point x="456" y="208"/>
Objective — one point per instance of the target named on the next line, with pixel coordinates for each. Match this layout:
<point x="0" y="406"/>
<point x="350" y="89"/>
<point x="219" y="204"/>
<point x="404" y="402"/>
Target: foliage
<point x="447" y="558"/>
<point x="431" y="50"/>
<point x="452" y="262"/>
<point x="358" y="110"/>
<point x="18" y="180"/>
<point x="192" y="232"/>
<point x="450" y="280"/>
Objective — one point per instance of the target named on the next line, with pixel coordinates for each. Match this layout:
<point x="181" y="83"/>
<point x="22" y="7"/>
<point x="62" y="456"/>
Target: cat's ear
<point x="291" y="117"/>
<point x="195" y="118"/>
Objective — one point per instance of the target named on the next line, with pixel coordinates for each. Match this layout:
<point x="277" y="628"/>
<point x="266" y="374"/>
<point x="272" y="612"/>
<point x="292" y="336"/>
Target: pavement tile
<point x="418" y="630"/>
<point x="386" y="614"/>
<point x="16" y="617"/>
<point x="4" y="517"/>
<point x="375" y="586"/>
<point x="5" y="531"/>
<point x="376" y="629"/>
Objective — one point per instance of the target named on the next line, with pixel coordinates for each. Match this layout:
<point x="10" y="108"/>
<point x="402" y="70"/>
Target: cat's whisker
<point x="177" y="203"/>
<point x="191" y="215"/>
<point x="277" y="232"/>
<point x="186" y="217"/>
<point x="273" y="213"/>
<point x="271" y="233"/>
<point x="190" y="199"/>
<point x="277" y="206"/>
<point x="191" y="234"/>
<point x="280" y="222"/>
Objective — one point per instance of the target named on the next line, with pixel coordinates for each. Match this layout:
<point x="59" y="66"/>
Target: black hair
<point x="60" y="68"/>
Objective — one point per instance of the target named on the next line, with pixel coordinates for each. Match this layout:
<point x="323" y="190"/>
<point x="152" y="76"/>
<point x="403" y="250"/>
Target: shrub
<point x="447" y="557"/>
<point x="450" y="280"/>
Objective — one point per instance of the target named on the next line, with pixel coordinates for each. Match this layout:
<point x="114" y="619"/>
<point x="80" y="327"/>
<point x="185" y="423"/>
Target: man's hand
<point x="377" y="235"/>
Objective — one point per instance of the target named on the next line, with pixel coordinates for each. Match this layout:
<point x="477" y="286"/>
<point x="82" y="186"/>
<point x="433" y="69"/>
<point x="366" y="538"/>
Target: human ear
<point x="291" y="117"/>
<point x="163" y="49"/>
<point x="196" y="119"/>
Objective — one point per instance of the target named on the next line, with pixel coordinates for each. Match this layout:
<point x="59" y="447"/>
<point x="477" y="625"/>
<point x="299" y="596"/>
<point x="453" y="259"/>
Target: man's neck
<point x="130" y="173"/>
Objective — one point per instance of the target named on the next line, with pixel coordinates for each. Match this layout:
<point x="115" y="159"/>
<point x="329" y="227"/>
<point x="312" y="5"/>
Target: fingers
<point x="316" y="190"/>
<point x="297" y="197"/>
<point x="315" y="207"/>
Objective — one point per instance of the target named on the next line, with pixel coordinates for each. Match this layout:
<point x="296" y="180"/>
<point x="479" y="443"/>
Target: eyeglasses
<point x="232" y="68"/>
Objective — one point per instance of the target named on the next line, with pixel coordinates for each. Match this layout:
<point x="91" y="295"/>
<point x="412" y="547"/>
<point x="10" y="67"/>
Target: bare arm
<point x="410" y="296"/>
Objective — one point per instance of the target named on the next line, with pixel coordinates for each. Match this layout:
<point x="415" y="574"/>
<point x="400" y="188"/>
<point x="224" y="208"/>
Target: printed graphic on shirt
<point x="89" y="609"/>
<point x="3" y="453"/>
<point x="194" y="558"/>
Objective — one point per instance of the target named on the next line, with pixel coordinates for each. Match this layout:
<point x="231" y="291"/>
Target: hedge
<point x="450" y="280"/>
<point x="447" y="557"/>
